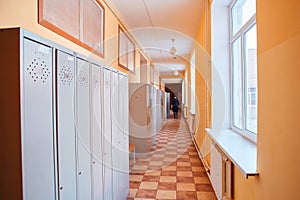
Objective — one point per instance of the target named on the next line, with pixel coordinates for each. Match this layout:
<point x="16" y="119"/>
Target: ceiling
<point x="154" y="23"/>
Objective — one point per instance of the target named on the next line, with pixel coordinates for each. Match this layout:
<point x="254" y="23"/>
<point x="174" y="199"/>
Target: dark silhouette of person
<point x="175" y="106"/>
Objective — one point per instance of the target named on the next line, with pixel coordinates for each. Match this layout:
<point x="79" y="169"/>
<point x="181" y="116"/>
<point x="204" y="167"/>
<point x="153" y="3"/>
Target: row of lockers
<point x="147" y="113"/>
<point x="73" y="123"/>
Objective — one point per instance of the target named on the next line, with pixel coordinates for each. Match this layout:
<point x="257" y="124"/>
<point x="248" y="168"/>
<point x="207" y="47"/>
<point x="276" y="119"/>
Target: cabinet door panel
<point x="107" y="156"/>
<point x="37" y="123"/>
<point x="97" y="167"/>
<point x="116" y="150"/>
<point x="66" y="135"/>
<point x="83" y="130"/>
<point x="124" y="166"/>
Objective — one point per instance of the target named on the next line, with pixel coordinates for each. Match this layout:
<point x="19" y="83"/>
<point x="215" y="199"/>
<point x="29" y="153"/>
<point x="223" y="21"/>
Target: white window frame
<point x="240" y="33"/>
<point x="193" y="82"/>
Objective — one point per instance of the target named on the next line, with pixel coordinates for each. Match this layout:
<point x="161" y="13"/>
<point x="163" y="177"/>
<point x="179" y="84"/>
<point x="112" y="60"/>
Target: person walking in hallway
<point x="175" y="106"/>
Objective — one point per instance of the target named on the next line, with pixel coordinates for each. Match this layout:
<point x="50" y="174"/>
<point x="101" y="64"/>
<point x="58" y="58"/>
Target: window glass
<point x="237" y="84"/>
<point x="241" y="12"/>
<point x="251" y="79"/>
<point x="193" y="79"/>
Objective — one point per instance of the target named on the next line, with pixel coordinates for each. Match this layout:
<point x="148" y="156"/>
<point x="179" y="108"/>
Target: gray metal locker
<point x="83" y="129"/>
<point x="57" y="132"/>
<point x="124" y="144"/>
<point x="116" y="123"/>
<point x="107" y="137"/>
<point x="96" y="120"/>
<point x="66" y="135"/>
<point x="26" y="104"/>
<point x="37" y="122"/>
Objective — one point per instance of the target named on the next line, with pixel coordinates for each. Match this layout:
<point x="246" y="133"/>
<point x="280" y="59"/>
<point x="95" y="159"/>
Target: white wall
<point x="220" y="65"/>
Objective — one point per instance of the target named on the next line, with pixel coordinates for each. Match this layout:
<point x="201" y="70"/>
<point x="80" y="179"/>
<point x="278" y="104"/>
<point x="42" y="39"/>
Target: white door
<point x="107" y="154"/>
<point x="96" y="119"/>
<point x="37" y="122"/>
<point x="83" y="130"/>
<point x="66" y="135"/>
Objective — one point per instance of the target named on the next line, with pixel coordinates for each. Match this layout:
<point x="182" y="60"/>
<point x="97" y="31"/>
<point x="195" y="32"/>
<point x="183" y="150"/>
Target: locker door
<point x="124" y="176"/>
<point x="107" y="135"/>
<point x="37" y="123"/>
<point x="96" y="101"/>
<point x="66" y="135"/>
<point x="116" y="153"/>
<point x="83" y="130"/>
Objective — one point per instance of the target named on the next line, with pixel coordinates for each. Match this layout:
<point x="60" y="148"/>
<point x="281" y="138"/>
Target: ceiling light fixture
<point x="173" y="50"/>
<point x="176" y="72"/>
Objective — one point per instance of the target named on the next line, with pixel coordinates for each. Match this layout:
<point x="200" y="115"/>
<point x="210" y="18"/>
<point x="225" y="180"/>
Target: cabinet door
<point x="83" y="130"/>
<point x="66" y="135"/>
<point x="96" y="119"/>
<point x="124" y="165"/>
<point x="116" y="150"/>
<point x="107" y="154"/>
<point x="37" y="122"/>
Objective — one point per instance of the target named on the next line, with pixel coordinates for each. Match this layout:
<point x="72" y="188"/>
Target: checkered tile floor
<point x="172" y="170"/>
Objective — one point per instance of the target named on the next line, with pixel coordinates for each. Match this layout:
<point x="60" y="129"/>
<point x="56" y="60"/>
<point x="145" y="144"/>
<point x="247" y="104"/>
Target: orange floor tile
<point x="172" y="169"/>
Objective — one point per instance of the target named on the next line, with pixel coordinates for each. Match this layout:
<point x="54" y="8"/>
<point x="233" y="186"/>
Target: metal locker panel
<point x="107" y="157"/>
<point x="115" y="112"/>
<point x="97" y="167"/>
<point x="116" y="150"/>
<point x="37" y="120"/>
<point x="83" y="130"/>
<point x="124" y="176"/>
<point x="66" y="135"/>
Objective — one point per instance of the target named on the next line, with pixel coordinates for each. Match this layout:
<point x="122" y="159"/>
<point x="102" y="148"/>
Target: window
<point x="193" y="79"/>
<point x="244" y="67"/>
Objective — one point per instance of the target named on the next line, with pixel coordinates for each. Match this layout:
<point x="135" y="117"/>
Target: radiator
<point x="185" y="111"/>
<point x="192" y="124"/>
<point x="220" y="174"/>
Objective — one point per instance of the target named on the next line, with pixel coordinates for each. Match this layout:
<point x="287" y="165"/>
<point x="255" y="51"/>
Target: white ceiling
<point x="153" y="23"/>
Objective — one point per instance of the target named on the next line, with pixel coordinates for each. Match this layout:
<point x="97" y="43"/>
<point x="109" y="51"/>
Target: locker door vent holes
<point x="66" y="75"/>
<point x="83" y="79"/>
<point x="97" y="82"/>
<point x="38" y="69"/>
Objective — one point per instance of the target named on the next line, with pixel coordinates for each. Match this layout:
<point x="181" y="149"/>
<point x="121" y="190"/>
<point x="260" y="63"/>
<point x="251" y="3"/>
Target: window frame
<point x="240" y="33"/>
<point x="69" y="36"/>
<point x="128" y="52"/>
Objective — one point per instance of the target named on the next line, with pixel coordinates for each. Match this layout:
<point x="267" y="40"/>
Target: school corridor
<point x="172" y="170"/>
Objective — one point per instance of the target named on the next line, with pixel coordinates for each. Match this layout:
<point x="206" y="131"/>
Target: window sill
<point x="238" y="149"/>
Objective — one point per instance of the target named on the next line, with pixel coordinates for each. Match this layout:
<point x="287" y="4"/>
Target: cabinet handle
<point x="94" y="162"/>
<point x="61" y="188"/>
<point x="79" y="173"/>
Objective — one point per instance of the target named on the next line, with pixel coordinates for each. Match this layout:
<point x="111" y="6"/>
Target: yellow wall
<point x="243" y="189"/>
<point x="278" y="26"/>
<point x="15" y="13"/>
<point x="202" y="82"/>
